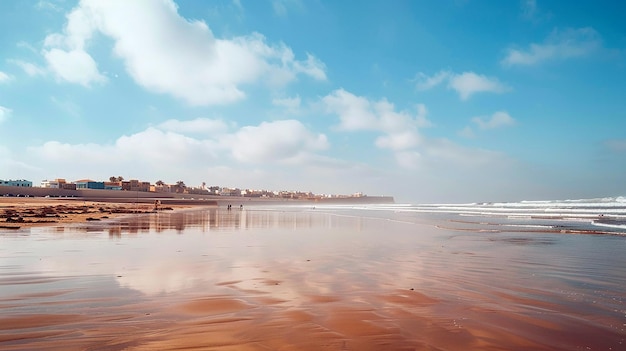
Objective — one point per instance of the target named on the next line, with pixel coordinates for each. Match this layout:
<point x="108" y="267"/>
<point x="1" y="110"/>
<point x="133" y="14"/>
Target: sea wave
<point x="580" y="215"/>
<point x="610" y="223"/>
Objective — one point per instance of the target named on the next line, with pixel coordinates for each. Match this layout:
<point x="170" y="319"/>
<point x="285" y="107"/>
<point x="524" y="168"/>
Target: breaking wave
<point x="601" y="215"/>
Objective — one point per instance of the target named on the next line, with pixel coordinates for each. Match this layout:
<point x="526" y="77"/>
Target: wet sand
<point x="26" y="212"/>
<point x="298" y="279"/>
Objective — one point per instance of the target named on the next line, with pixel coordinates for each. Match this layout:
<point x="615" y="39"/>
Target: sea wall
<point x="81" y="193"/>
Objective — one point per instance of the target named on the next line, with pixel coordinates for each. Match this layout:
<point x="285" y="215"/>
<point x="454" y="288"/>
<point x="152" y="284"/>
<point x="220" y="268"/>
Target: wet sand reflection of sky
<point x="311" y="260"/>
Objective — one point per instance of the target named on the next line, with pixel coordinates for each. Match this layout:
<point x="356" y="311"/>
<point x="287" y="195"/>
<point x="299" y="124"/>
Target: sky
<point x="426" y="101"/>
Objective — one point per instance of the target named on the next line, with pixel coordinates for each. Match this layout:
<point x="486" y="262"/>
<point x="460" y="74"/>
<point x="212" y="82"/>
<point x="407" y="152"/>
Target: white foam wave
<point x="609" y="225"/>
<point x="606" y="212"/>
<point x="615" y="207"/>
<point x="528" y="226"/>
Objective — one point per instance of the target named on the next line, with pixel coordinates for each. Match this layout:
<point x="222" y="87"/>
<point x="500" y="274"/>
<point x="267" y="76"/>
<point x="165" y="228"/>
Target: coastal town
<point x="119" y="183"/>
<point x="58" y="201"/>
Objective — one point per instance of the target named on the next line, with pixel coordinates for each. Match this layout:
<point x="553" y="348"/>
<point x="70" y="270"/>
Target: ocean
<point x="584" y="216"/>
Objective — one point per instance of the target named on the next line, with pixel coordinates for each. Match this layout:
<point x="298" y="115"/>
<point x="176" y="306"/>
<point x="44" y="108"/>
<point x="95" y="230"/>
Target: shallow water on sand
<point x="308" y="279"/>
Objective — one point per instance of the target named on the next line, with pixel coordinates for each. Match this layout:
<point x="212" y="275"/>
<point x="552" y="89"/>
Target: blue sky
<point x="428" y="101"/>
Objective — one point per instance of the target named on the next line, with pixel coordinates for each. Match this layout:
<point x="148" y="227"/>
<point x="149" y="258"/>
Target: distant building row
<point x="161" y="187"/>
<point x="20" y="182"/>
<point x="131" y="185"/>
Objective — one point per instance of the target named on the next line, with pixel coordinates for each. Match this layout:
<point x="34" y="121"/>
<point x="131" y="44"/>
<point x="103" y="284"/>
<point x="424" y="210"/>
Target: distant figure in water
<point x="229" y="206"/>
<point x="156" y="204"/>
<point x="241" y="207"/>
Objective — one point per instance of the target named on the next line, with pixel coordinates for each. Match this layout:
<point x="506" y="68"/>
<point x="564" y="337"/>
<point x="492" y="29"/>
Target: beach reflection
<point x="164" y="253"/>
<point x="210" y="219"/>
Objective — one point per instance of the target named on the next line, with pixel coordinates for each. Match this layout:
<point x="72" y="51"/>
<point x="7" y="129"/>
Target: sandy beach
<point x="26" y="212"/>
<point x="294" y="278"/>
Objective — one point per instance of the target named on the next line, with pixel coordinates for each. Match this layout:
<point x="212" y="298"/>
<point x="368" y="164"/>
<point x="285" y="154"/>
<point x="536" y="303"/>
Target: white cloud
<point x="30" y="68"/>
<point x="25" y="45"/>
<point x="497" y="120"/>
<point x="4" y="113"/>
<point x="312" y="67"/>
<point x="12" y="164"/>
<point x="443" y="151"/>
<point x="560" y="45"/>
<point x="447" y="162"/>
<point x="272" y="155"/>
<point x="273" y="141"/>
<point x="424" y="82"/>
<point x="467" y="132"/>
<point x="408" y="159"/>
<point x="66" y="55"/>
<point x="48" y="6"/>
<point x="158" y="146"/>
<point x="422" y="121"/>
<point x="399" y="129"/>
<point x="174" y="148"/>
<point x="355" y="112"/>
<point x="198" y="125"/>
<point x="358" y="113"/>
<point x="400" y="134"/>
<point x="150" y="149"/>
<point x="469" y="83"/>
<point x="75" y="66"/>
<point x="465" y="84"/>
<point x="166" y="53"/>
<point x="398" y="141"/>
<point x="4" y="77"/>
<point x="67" y="106"/>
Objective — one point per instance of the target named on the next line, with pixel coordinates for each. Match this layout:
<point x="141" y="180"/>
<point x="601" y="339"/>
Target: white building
<point x="230" y="192"/>
<point x="53" y="184"/>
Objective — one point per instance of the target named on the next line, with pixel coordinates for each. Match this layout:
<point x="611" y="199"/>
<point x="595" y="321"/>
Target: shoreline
<point x="36" y="207"/>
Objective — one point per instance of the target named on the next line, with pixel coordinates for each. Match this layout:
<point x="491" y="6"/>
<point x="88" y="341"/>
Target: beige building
<point x="135" y="185"/>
